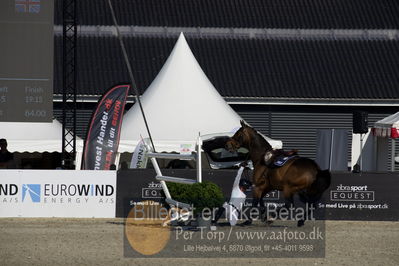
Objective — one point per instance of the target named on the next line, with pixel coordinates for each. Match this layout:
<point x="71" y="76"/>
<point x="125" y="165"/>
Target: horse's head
<point x="241" y="138"/>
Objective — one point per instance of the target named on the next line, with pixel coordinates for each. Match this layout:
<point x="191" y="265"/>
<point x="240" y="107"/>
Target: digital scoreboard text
<point x="26" y="60"/>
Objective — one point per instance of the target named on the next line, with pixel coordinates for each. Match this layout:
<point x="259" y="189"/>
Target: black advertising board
<point x="365" y="196"/>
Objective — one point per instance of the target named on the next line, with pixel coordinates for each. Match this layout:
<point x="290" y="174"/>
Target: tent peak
<point x="181" y="35"/>
<point x="182" y="45"/>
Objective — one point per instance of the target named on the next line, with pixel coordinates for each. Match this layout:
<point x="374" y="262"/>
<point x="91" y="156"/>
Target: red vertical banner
<point x="102" y="138"/>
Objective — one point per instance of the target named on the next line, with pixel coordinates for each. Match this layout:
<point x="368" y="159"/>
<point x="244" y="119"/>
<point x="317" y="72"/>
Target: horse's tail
<point x="323" y="180"/>
<point x="321" y="184"/>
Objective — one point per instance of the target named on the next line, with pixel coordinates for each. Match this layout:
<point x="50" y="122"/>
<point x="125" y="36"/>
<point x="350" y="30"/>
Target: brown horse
<point x="298" y="175"/>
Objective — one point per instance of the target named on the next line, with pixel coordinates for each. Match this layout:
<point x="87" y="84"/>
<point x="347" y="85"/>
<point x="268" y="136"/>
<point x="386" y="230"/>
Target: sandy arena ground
<point x="100" y="242"/>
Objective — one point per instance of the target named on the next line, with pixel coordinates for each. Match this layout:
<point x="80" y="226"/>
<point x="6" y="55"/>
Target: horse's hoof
<point x="301" y="223"/>
<point x="269" y="222"/>
<point x="263" y="217"/>
<point x="247" y="222"/>
<point x="271" y="218"/>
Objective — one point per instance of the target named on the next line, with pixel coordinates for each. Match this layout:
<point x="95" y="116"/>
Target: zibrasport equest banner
<point x="102" y="139"/>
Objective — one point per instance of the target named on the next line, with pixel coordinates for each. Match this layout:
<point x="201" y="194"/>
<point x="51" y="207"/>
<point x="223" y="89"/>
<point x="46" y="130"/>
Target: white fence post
<point x="199" y="159"/>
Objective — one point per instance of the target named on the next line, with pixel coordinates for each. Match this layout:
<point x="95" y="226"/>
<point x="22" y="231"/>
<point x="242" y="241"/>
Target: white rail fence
<point x="194" y="156"/>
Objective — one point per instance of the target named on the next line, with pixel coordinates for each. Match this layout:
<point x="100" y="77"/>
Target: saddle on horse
<point x="277" y="158"/>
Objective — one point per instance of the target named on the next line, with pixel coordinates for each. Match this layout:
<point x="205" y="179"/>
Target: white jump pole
<point x="158" y="171"/>
<point x="199" y="160"/>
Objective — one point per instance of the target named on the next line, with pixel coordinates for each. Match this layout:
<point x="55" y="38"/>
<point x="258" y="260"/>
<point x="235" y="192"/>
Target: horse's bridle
<point x="236" y="141"/>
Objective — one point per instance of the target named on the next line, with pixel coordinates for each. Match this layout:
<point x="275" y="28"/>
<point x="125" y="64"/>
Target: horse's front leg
<point x="261" y="187"/>
<point x="264" y="209"/>
<point x="259" y="193"/>
<point x="256" y="200"/>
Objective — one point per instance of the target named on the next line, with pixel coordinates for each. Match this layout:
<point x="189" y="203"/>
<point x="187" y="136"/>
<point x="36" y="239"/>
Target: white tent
<point x="387" y="127"/>
<point x="180" y="104"/>
<point x="384" y="129"/>
<point x="33" y="137"/>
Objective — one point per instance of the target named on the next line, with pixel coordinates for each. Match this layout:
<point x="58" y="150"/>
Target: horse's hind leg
<point x="305" y="199"/>
<point x="309" y="208"/>
<point x="288" y="201"/>
<point x="310" y="202"/>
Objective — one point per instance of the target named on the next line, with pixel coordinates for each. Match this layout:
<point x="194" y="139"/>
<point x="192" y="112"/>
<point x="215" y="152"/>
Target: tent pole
<point x="129" y="68"/>
<point x="375" y="152"/>
<point x="331" y="149"/>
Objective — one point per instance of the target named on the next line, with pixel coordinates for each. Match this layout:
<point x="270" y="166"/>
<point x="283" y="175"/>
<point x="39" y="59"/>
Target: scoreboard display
<point x="26" y="60"/>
